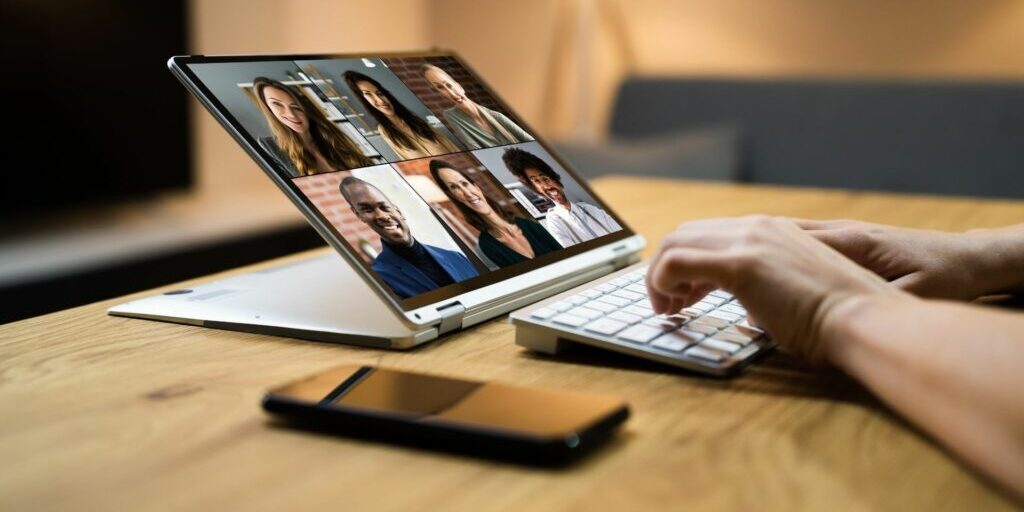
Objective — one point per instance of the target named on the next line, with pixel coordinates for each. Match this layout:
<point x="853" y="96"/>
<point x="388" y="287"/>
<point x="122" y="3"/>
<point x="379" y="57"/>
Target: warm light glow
<point x="427" y="189"/>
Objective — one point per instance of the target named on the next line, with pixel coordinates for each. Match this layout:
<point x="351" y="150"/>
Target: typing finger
<point x="678" y="267"/>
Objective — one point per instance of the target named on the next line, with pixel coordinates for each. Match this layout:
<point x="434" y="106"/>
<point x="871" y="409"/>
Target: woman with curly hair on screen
<point x="407" y="134"/>
<point x="305" y="142"/>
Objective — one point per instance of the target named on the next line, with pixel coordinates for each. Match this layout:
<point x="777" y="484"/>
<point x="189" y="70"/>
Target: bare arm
<point x="955" y="370"/>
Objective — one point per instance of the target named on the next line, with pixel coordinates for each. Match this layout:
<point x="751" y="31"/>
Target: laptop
<point x="444" y="210"/>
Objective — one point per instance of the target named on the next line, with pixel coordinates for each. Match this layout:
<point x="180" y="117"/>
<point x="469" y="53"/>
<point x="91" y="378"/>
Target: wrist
<point x="839" y="333"/>
<point x="996" y="257"/>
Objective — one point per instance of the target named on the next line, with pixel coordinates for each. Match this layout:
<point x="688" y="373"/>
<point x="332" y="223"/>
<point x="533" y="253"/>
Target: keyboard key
<point x="627" y="318"/>
<point x="746" y="352"/>
<point x="695" y="335"/>
<point x="640" y="333"/>
<point x="621" y="281"/>
<point x="734" y="308"/>
<point x="689" y="315"/>
<point x="570" y="320"/>
<point x="712" y="321"/>
<point x="745" y="326"/>
<point x="591" y="293"/>
<point x="618" y="302"/>
<point x="603" y="307"/>
<point x="605" y="326"/>
<point x="671" y="318"/>
<point x="544" y="313"/>
<point x="724" y="346"/>
<point x="702" y="327"/>
<point x="638" y="288"/>
<point x="692" y="311"/>
<point x="639" y="311"/>
<point x="703" y="306"/>
<point x="606" y="288"/>
<point x="660" y="322"/>
<point x="721" y="293"/>
<point x="628" y="295"/>
<point x="724" y="315"/>
<point x="577" y="299"/>
<point x="735" y="336"/>
<point x="676" y="319"/>
<point x="706" y="354"/>
<point x="674" y="341"/>
<point x="561" y="306"/>
<point x="715" y="301"/>
<point x="585" y="312"/>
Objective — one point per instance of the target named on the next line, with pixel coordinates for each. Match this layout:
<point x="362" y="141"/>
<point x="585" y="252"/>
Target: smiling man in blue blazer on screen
<point x="406" y="265"/>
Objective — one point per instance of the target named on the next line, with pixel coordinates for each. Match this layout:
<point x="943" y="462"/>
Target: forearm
<point x="957" y="371"/>
<point x="999" y="257"/>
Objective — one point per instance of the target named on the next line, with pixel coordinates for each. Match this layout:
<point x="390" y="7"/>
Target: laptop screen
<point x="423" y="173"/>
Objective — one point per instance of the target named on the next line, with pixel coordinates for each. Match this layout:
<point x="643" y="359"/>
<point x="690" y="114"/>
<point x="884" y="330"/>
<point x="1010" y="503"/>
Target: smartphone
<point x="478" y="418"/>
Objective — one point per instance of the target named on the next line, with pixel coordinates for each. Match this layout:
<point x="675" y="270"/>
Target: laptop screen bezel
<point x="181" y="65"/>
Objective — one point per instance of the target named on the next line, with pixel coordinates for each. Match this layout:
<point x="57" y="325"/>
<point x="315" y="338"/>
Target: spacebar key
<point x="640" y="333"/>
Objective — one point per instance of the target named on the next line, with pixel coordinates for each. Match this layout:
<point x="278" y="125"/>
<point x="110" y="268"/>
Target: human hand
<point x="793" y="283"/>
<point x="930" y="264"/>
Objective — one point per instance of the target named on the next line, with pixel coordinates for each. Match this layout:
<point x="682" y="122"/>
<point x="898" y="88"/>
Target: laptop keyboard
<point x="712" y="333"/>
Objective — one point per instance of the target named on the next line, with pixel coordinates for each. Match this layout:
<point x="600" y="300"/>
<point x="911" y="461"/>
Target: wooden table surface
<point x="107" y="413"/>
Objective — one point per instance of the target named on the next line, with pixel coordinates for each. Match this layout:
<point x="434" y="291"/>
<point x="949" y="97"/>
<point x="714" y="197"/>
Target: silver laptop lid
<point x="437" y="194"/>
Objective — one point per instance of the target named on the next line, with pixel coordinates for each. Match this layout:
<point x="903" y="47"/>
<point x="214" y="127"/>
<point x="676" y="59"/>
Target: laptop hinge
<point x="623" y="260"/>
<point x="451" y="317"/>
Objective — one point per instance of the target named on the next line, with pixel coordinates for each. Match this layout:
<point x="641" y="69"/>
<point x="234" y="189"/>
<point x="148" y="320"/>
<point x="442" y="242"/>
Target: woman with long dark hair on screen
<point x="305" y="142"/>
<point x="407" y="134"/>
<point x="504" y="238"/>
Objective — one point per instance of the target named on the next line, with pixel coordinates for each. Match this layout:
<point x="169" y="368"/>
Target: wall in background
<point x="528" y="50"/>
<point x="914" y="38"/>
<point x="283" y="26"/>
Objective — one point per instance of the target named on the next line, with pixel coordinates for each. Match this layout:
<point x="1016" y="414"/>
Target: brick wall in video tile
<point x="408" y="69"/>
<point x="322" y="191"/>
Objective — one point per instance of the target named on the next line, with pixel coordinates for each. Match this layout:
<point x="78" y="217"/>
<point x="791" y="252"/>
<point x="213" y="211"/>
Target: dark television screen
<point x="91" y="112"/>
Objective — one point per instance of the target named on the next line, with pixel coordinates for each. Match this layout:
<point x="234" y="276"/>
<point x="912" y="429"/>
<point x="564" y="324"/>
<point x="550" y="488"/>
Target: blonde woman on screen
<point x="408" y="135"/>
<point x="477" y="126"/>
<point x="305" y="142"/>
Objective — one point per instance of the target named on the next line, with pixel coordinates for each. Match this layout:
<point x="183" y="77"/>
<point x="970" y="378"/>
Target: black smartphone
<point x="478" y="418"/>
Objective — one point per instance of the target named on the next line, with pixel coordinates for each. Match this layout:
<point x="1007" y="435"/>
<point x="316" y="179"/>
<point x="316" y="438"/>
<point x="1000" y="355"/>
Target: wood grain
<point x="104" y="413"/>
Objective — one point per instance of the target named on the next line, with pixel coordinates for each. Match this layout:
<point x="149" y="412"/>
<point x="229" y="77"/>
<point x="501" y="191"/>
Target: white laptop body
<point x="339" y="297"/>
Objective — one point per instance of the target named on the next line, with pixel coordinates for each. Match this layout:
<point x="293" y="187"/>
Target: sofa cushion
<point x="940" y="137"/>
<point x="704" y="154"/>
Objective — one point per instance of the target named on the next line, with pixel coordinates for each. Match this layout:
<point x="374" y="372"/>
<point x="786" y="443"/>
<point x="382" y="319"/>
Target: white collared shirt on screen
<point x="579" y="223"/>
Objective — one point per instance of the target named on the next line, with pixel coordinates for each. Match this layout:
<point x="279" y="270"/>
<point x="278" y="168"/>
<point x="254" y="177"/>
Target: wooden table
<point x="108" y="413"/>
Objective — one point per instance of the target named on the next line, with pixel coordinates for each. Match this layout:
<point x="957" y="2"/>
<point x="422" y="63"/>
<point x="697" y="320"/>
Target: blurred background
<point x="119" y="182"/>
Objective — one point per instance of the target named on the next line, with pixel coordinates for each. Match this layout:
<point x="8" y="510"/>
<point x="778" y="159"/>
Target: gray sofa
<point x="936" y="137"/>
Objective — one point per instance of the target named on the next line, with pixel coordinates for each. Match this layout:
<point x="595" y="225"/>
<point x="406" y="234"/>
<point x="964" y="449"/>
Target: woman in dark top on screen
<point x="408" y="135"/>
<point x="505" y="239"/>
